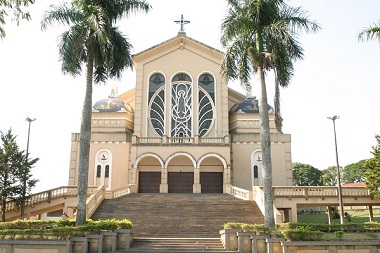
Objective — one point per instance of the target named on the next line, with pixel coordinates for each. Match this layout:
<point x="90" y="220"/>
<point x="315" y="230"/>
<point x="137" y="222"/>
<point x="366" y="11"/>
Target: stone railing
<point x="165" y="140"/>
<point x="95" y="200"/>
<point x="239" y="193"/>
<point x="316" y="191"/>
<point x="120" y="192"/>
<point x="48" y="196"/>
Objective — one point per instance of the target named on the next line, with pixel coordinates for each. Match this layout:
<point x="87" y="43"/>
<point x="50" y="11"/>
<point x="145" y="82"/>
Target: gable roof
<point x="181" y="40"/>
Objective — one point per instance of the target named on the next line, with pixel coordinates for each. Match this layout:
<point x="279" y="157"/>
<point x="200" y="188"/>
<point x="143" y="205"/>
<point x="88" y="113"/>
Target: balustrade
<point x="165" y="140"/>
<point x="316" y="191"/>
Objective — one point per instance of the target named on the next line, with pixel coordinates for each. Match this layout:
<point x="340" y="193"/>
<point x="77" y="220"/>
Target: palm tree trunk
<point x="266" y="151"/>
<point x="277" y="115"/>
<point x="3" y="203"/>
<point x="84" y="150"/>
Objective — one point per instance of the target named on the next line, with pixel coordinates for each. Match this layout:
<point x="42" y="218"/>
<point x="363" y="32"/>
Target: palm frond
<point x="72" y="50"/>
<point x="370" y="33"/>
<point x="62" y="14"/>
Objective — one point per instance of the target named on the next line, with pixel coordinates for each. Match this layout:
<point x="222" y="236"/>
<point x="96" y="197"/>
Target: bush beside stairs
<point x="178" y="222"/>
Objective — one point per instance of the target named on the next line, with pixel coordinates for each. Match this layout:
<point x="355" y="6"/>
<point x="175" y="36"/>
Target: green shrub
<point x="302" y="235"/>
<point x="125" y="224"/>
<point x="259" y="229"/>
<point x="339" y="234"/>
<point x="58" y="229"/>
<point x="233" y="225"/>
<point x="372" y="226"/>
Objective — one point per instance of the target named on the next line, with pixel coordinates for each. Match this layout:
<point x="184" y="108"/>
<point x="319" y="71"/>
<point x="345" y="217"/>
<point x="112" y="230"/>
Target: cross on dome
<point x="182" y="22"/>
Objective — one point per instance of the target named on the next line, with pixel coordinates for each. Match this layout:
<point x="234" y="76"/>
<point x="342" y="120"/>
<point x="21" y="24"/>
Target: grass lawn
<point x="356" y="217"/>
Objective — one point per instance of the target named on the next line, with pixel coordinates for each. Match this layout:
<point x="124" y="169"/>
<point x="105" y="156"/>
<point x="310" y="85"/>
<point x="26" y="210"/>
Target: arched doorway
<point x="180" y="175"/>
<point x="211" y="175"/>
<point x="149" y="176"/>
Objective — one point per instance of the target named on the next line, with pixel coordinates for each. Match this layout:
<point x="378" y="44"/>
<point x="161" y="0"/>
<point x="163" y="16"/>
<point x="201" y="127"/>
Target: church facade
<point x="181" y="129"/>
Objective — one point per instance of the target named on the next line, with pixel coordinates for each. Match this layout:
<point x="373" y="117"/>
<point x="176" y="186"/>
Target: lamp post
<point x="30" y="120"/>
<point x="338" y="173"/>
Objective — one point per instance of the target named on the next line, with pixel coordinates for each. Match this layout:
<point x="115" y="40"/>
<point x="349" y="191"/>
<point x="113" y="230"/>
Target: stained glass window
<point x="206" y="98"/>
<point x="181" y="106"/>
<point x="157" y="103"/>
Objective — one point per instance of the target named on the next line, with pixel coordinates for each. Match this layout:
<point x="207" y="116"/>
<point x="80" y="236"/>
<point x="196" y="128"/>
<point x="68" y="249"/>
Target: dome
<point x="110" y="105"/>
<point x="249" y="105"/>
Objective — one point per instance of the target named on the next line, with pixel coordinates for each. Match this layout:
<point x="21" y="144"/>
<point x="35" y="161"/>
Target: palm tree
<point x="261" y="35"/>
<point x="370" y="33"/>
<point x="92" y="39"/>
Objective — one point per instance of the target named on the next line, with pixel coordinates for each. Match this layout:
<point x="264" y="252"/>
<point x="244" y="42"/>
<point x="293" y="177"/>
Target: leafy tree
<point x="92" y="40"/>
<point x="370" y="33"/>
<point x="306" y="175"/>
<point x="330" y="176"/>
<point x="372" y="172"/>
<point x="354" y="173"/>
<point x="261" y="35"/>
<point x="14" y="6"/>
<point x="13" y="168"/>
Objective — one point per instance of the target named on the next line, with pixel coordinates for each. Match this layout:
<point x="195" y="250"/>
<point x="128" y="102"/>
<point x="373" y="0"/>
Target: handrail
<point x="49" y="195"/>
<point x="95" y="200"/>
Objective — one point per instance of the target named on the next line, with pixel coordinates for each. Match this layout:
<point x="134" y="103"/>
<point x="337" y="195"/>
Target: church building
<point x="181" y="129"/>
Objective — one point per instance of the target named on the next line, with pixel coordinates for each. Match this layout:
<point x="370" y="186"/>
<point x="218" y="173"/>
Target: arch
<point x="179" y="154"/>
<point x="256" y="161"/>
<point x="138" y="159"/>
<point x="181" y="72"/>
<point x="103" y="163"/>
<point x="225" y="166"/>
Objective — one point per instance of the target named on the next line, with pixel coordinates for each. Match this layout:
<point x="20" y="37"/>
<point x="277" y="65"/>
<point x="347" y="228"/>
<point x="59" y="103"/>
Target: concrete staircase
<point x="178" y="222"/>
<point x="194" y="245"/>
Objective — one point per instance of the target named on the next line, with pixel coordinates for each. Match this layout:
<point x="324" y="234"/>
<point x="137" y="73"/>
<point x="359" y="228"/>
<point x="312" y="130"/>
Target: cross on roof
<point x="182" y="22"/>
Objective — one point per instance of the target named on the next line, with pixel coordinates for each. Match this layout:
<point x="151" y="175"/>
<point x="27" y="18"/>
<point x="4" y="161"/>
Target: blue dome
<point x="109" y="105"/>
<point x="249" y="105"/>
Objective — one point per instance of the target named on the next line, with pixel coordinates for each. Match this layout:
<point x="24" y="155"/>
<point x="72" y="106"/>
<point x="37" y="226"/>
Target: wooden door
<point x="180" y="182"/>
<point x="212" y="182"/>
<point x="149" y="182"/>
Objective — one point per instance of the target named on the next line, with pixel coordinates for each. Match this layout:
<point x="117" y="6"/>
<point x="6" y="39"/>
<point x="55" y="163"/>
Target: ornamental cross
<point x="182" y="22"/>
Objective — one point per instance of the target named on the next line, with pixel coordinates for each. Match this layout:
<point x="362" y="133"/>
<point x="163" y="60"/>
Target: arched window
<point x="206" y="100"/>
<point x="255" y="171"/>
<point x="156" y="100"/>
<point x="98" y="171"/>
<point x="181" y="106"/>
<point x="107" y="172"/>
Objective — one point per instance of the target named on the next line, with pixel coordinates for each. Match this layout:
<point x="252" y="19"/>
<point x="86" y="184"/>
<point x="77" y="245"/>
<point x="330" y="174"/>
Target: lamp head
<point x="30" y="119"/>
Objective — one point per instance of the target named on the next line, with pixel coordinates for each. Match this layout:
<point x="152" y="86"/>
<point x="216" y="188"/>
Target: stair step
<point x="153" y="244"/>
<point x="194" y="215"/>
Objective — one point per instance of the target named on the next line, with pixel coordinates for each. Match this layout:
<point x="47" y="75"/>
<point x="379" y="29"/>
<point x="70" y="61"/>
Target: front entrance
<point x="149" y="182"/>
<point x="180" y="182"/>
<point x="212" y="182"/>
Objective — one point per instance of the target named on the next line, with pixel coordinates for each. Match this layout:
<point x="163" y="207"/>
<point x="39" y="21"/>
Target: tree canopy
<point x="306" y="175"/>
<point x="330" y="176"/>
<point x="16" y="7"/>
<point x="354" y="172"/>
<point x="14" y="167"/>
<point x="372" y="173"/>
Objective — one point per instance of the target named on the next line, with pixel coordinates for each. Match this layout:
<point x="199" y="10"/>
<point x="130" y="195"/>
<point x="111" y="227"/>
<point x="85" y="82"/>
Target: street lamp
<point x="338" y="173"/>
<point x="30" y="120"/>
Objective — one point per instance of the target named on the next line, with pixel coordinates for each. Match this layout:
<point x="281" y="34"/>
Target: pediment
<point x="179" y="42"/>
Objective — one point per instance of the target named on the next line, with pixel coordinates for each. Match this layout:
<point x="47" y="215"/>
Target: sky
<point x="339" y="75"/>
